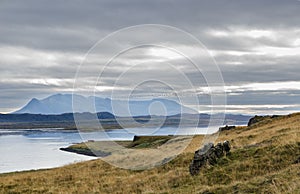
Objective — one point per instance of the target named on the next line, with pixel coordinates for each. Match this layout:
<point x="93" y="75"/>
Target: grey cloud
<point x="39" y="19"/>
<point x="67" y="29"/>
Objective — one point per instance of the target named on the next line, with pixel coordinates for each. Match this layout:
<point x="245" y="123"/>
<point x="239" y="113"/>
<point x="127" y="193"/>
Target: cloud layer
<point x="255" y="43"/>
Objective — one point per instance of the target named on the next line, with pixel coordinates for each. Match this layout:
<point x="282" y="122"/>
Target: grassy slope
<point x="90" y="148"/>
<point x="260" y="162"/>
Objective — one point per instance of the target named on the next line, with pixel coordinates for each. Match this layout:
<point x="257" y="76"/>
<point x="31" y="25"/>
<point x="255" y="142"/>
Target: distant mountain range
<point x="62" y="103"/>
<point x="56" y="111"/>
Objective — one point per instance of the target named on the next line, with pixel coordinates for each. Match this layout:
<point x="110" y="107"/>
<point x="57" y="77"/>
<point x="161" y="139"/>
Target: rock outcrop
<point x="208" y="155"/>
<point x="257" y="119"/>
<point x="226" y="128"/>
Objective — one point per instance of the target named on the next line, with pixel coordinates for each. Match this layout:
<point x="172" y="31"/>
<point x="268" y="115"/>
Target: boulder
<point x="208" y="154"/>
<point x="226" y="146"/>
<point x="219" y="150"/>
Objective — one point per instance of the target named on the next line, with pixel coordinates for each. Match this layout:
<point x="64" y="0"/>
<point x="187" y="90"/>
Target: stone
<point x="219" y="149"/>
<point x="226" y="146"/>
<point x="208" y="154"/>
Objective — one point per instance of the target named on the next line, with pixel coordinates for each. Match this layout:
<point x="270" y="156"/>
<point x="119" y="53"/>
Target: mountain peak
<point x="33" y="106"/>
<point x="33" y="100"/>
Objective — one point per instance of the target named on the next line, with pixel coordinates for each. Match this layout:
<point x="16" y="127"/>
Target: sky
<point x="255" y="44"/>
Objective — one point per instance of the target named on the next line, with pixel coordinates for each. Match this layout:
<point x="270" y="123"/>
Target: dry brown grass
<point x="281" y="130"/>
<point x="260" y="162"/>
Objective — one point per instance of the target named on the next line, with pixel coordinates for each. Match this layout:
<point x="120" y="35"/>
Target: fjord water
<point x="37" y="149"/>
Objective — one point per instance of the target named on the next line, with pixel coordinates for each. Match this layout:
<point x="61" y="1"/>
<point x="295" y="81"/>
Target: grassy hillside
<point x="96" y="148"/>
<point x="262" y="160"/>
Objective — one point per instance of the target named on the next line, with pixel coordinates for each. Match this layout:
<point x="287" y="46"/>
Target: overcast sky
<point x="256" y="45"/>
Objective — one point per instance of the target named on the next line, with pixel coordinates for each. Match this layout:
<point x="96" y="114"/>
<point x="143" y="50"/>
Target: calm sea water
<point x="37" y="149"/>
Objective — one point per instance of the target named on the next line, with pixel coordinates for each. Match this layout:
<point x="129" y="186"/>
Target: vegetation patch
<point x="96" y="148"/>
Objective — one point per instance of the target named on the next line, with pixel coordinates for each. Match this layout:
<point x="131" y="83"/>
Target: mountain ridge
<point x="63" y="103"/>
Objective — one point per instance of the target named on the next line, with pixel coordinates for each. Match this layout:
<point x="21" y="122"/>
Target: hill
<point x="264" y="159"/>
<point x="65" y="121"/>
<point x="63" y="103"/>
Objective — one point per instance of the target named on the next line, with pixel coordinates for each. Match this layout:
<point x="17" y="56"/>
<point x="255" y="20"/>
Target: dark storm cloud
<point x="43" y="42"/>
